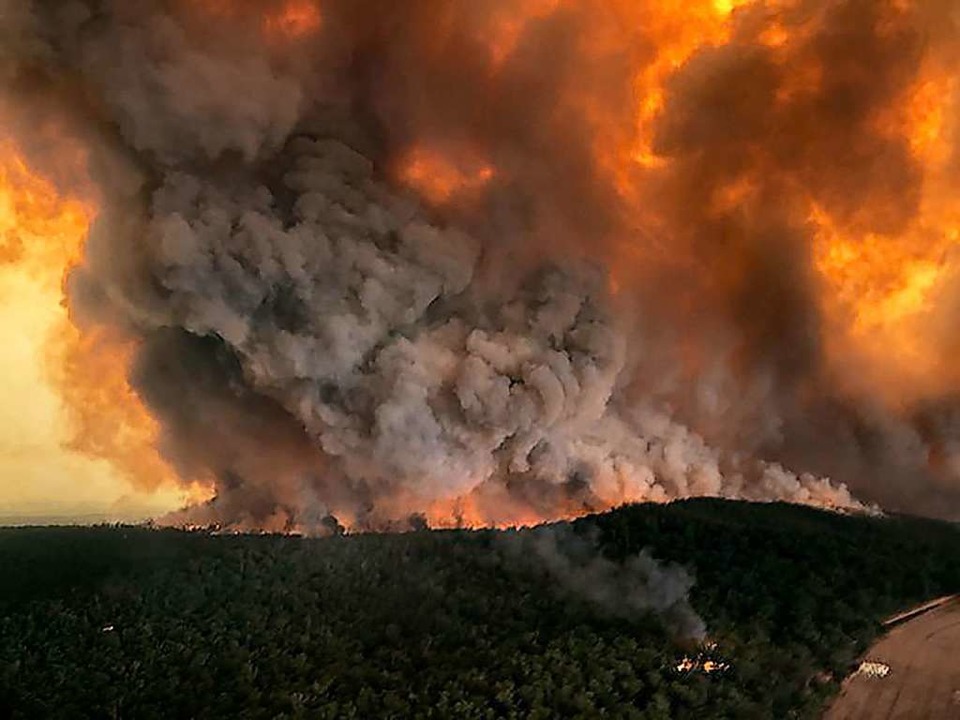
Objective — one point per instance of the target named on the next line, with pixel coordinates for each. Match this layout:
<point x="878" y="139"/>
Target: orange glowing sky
<point x="878" y="293"/>
<point x="67" y="406"/>
<point x="41" y="235"/>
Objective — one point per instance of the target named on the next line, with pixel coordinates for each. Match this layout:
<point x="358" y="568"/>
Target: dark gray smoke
<point x="629" y="590"/>
<point x="319" y="340"/>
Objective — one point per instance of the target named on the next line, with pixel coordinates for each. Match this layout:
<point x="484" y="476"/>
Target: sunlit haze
<point x="45" y="476"/>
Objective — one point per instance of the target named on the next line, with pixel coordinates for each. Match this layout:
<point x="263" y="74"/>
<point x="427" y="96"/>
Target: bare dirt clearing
<point x="924" y="677"/>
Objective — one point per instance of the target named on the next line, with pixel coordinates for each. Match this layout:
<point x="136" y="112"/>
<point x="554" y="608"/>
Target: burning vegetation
<point x="497" y="262"/>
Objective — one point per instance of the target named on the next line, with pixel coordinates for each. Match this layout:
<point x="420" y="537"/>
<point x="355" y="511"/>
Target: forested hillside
<point x="138" y="623"/>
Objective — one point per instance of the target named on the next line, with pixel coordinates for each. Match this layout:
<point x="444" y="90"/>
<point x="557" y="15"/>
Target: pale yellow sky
<point x="38" y="476"/>
<point x="40" y="235"/>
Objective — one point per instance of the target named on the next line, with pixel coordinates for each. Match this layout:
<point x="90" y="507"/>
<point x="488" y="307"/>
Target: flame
<point x="660" y="36"/>
<point x="878" y="292"/>
<point x="289" y="21"/>
<point x="881" y="292"/>
<point x="294" y="20"/>
<point x="478" y="510"/>
<point x="491" y="505"/>
<point x="681" y="29"/>
<point x="89" y="371"/>
<point x="42" y="238"/>
<point x="510" y="23"/>
<point x="440" y="178"/>
<point x="880" y="287"/>
<point x="39" y="233"/>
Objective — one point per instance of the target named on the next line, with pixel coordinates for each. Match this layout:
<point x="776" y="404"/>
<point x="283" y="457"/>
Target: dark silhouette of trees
<point x="119" y="622"/>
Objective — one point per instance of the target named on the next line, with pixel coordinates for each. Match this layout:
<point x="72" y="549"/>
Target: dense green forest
<point x="119" y="622"/>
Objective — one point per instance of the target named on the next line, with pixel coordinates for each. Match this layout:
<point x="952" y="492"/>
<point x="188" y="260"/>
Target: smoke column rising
<point x="505" y="261"/>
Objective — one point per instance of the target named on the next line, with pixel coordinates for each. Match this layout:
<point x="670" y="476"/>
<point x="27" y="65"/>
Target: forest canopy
<point x="117" y="622"/>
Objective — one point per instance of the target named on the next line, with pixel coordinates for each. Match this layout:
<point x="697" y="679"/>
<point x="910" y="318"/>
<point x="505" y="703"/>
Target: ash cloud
<point x="320" y="341"/>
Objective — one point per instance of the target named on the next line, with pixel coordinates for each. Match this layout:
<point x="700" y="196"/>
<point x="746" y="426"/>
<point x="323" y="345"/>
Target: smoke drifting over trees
<point x="500" y="261"/>
<point x="627" y="590"/>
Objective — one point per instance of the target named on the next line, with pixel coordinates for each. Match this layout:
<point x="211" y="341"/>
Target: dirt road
<point x="923" y="682"/>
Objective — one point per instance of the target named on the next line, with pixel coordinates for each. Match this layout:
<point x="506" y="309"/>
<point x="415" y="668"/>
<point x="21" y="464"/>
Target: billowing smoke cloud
<point x="629" y="590"/>
<point x="381" y="260"/>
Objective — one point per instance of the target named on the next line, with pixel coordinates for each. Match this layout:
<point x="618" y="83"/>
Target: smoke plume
<point x="627" y="590"/>
<point x="513" y="260"/>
